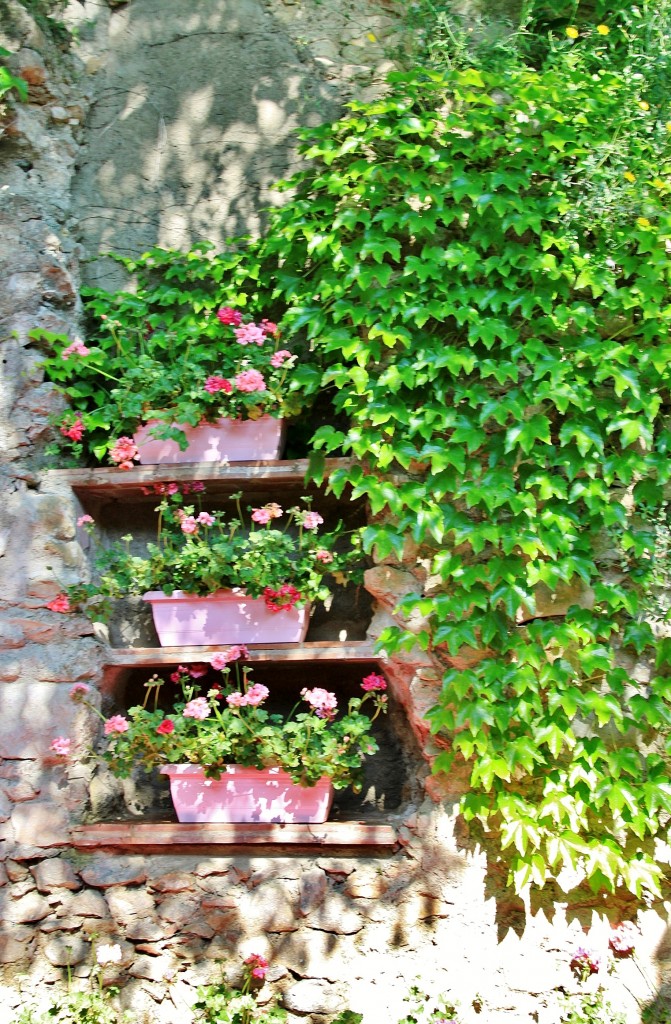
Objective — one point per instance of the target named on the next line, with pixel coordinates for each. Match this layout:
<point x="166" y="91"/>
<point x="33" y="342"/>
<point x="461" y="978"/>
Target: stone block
<point x="174" y="882"/>
<point x="177" y="909"/>
<point x="39" y="825"/>
<point x="31" y="907"/>
<point x="33" y="713"/>
<point x="313" y="996"/>
<point x="64" y="951"/>
<point x="336" y="916"/>
<point x="107" y="871"/>
<point x="55" y="873"/>
<point x="153" y="968"/>
<point x="15" y="944"/>
<point x="127" y="904"/>
<point x="149" y="929"/>
<point x="314" y="886"/>
<point x="267" y="909"/>
<point x="87" y="903"/>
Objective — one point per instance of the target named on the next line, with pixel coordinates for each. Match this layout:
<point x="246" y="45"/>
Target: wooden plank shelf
<point x="105" y="483"/>
<point x="323" y="650"/>
<point x="175" y="837"/>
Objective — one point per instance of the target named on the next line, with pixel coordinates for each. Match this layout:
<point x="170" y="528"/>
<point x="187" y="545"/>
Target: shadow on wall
<point x="192" y="124"/>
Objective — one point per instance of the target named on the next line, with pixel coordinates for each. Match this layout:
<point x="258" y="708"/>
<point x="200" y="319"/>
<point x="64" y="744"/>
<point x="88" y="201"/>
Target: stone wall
<point x="166" y="123"/>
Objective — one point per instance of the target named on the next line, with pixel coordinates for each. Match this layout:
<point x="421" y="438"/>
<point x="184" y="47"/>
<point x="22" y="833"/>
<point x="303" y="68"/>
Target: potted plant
<point x="213" y="578"/>
<point x="154" y="387"/>
<point x="228" y="757"/>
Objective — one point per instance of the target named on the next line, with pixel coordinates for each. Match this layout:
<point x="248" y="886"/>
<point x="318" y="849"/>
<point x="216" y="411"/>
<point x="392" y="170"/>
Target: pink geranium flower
<point x="283" y="599"/>
<point x="61" y="603"/>
<point x="214" y="384"/>
<point x="586" y="961"/>
<point x="250" y="380"/>
<point x="220" y="660"/>
<point x="324" y="703"/>
<point x="198" y="670"/>
<point x="61" y="746"/>
<point x="623" y="939"/>
<point x="311" y="520"/>
<point x="123" y="451"/>
<point x="324" y="556"/>
<point x="280" y="358"/>
<point x="269" y="327"/>
<point x="205" y="519"/>
<point x="117" y="723"/>
<point x="236" y="699"/>
<point x="257" y="965"/>
<point x="197" y="708"/>
<point x="374" y="682"/>
<point x="85" y="521"/>
<point x="78" y="692"/>
<point x="256" y="694"/>
<point x="73" y="431"/>
<point x="270" y="511"/>
<point x="250" y="334"/>
<point x="188" y="524"/>
<point x="228" y="316"/>
<point x="77" y="347"/>
<point x="180" y="671"/>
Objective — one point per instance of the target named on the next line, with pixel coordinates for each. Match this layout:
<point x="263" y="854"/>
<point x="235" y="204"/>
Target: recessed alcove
<point x="384" y="773"/>
<point x="125" y="502"/>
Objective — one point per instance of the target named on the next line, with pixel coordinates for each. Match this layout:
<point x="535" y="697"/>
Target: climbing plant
<point x="481" y="258"/>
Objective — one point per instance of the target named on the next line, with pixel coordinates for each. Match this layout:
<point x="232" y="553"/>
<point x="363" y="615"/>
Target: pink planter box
<point x="224" y="441"/>
<point x="246" y="795"/>
<point x="225" y="617"/>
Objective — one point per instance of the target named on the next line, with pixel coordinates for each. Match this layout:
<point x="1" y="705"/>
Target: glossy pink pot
<point x="224" y="617"/>
<point x="246" y="795"/>
<point x="224" y="441"/>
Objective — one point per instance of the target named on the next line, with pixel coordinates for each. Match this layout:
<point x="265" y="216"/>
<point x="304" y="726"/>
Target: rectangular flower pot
<point x="226" y="440"/>
<point x="224" y="617"/>
<point x="246" y="795"/>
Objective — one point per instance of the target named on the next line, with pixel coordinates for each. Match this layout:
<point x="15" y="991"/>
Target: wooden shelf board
<point x="323" y="650"/>
<point x="126" y="485"/>
<point x="159" y="836"/>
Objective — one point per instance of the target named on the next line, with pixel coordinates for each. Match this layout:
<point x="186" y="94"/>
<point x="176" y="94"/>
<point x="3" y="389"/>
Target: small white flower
<point x="108" y="954"/>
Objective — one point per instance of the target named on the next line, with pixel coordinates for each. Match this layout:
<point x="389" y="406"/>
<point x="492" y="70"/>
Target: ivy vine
<point x="481" y="258"/>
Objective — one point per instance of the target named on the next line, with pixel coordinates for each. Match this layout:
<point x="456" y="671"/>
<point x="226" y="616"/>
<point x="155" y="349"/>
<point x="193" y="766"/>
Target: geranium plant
<point x="227" y="722"/>
<point x="147" y="363"/>
<point x="271" y="553"/>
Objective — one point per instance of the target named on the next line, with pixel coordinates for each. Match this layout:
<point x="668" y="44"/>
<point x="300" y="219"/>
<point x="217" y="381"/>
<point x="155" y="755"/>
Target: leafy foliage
<point x="160" y="353"/>
<point x="481" y="258"/>
<point x="201" y="552"/>
<point x="230" y="726"/>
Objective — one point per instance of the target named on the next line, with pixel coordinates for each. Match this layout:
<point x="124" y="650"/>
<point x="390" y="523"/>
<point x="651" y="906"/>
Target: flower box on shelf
<point x="224" y="617"/>
<point x="227" y="440"/>
<point x="243" y="795"/>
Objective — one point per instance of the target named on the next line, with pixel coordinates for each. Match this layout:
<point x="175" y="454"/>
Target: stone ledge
<point x="174" y="837"/>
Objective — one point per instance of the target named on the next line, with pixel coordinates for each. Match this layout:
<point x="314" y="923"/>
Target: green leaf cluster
<point x="481" y="258"/>
<point x="150" y="351"/>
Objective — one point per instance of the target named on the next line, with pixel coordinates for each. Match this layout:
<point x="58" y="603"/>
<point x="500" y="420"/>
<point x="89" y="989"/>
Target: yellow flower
<point x="658" y="183"/>
<point x="603" y="30"/>
<point x="572" y="32"/>
<point x="643" y="105"/>
<point x="629" y="176"/>
<point x="372" y="37"/>
<point x="643" y="222"/>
